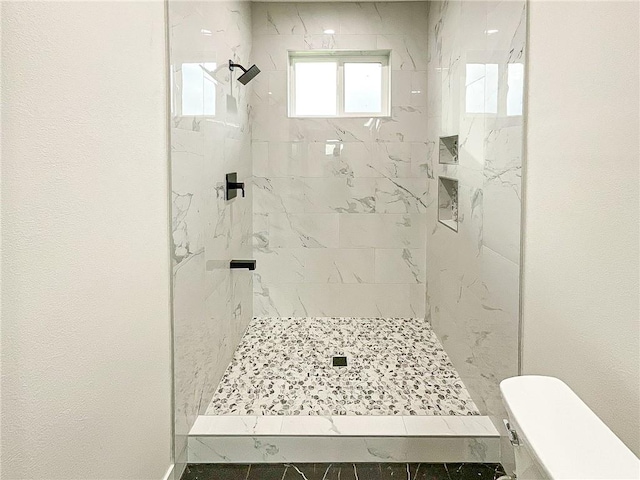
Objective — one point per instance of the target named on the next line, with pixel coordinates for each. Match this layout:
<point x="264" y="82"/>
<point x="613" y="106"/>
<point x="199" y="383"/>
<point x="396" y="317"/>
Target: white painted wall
<point x="85" y="292"/>
<point x="581" y="291"/>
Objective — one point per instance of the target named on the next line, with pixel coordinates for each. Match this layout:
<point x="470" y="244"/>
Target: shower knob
<point x="232" y="186"/>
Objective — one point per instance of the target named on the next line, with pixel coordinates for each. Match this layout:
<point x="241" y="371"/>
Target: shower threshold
<point x="343" y="439"/>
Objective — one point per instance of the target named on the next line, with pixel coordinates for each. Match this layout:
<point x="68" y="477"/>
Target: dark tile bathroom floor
<point x="345" y="471"/>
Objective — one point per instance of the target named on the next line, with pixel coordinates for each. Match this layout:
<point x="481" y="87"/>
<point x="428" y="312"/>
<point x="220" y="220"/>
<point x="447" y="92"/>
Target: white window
<point x="485" y="88"/>
<point x="482" y="88"/>
<point x="339" y="84"/>
<point x="198" y="90"/>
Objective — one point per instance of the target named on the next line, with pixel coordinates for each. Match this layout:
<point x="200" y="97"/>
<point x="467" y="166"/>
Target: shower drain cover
<point x="339" y="361"/>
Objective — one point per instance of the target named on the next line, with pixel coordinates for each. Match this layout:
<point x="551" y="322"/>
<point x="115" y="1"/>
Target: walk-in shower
<point x="381" y="167"/>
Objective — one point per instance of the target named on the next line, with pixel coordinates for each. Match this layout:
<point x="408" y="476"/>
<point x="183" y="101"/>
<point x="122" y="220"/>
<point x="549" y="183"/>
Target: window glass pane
<point x="491" y="88"/>
<point x="198" y="89"/>
<point x="363" y="87"/>
<point x="481" y="88"/>
<point x="316" y="87"/>
<point x="515" y="84"/>
<point x="475" y="88"/>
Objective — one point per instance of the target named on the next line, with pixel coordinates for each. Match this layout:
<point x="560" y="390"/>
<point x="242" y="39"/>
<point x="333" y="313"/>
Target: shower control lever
<point x="232" y="186"/>
<point x="250" y="264"/>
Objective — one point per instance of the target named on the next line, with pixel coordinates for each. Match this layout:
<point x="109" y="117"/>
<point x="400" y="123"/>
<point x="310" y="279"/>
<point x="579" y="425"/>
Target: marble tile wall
<point x="210" y="136"/>
<point x="473" y="275"/>
<point x="339" y="204"/>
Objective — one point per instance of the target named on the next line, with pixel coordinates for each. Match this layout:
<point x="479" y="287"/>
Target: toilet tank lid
<point x="566" y="437"/>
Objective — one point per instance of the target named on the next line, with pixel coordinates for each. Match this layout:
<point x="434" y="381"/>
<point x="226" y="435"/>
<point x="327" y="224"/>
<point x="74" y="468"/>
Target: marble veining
<point x="428" y="426"/>
<point x="345" y="471"/>
<point x="396" y="366"/>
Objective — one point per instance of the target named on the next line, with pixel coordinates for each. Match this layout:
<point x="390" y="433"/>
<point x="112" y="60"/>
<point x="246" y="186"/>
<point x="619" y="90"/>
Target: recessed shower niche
<point x="448" y="150"/>
<point x="448" y="202"/>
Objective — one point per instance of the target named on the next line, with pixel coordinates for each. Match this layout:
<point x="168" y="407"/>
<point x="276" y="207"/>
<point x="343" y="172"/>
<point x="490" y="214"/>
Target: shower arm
<point x="233" y="65"/>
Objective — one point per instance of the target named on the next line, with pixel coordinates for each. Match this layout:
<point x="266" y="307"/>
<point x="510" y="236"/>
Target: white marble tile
<point x="277" y="19"/>
<point x="361" y="19"/>
<point x="500" y="282"/>
<point x="401" y="87"/>
<point x="407" y="124"/>
<point x="394" y="265"/>
<point x="408" y="19"/>
<point x="333" y="158"/>
<point x="418" y="89"/>
<point x="270" y="51"/>
<point x="409" y="88"/>
<point x="338" y="299"/>
<point x="287" y="159"/>
<point x="268" y="298"/>
<point x="260" y="233"/>
<point x="310" y="230"/>
<point x="391" y="300"/>
<point x="423" y="156"/>
<point x="260" y="158"/>
<point x="443" y="426"/>
<point x="319" y="18"/>
<point x="301" y="18"/>
<point x="402" y="195"/>
<point x="344" y="425"/>
<point x="277" y="88"/>
<point x="278" y="195"/>
<point x="235" y="425"/>
<point x="383" y="18"/>
<point x="382" y="231"/>
<point x="501" y="231"/>
<point x="471" y="143"/>
<point x="391" y="158"/>
<point x="316" y="425"/>
<point x="408" y="51"/>
<point x="281" y="265"/>
<point x="329" y="265"/>
<point x="417" y="300"/>
<point x="303" y="449"/>
<point x="340" y="195"/>
<point x="342" y="129"/>
<point x="510" y="22"/>
<point x="340" y="42"/>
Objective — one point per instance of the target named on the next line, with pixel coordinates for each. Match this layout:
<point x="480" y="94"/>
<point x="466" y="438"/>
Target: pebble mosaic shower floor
<point x="395" y="366"/>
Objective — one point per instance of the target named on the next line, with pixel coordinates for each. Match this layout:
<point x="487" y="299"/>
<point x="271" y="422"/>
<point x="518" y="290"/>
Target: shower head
<point x="248" y="74"/>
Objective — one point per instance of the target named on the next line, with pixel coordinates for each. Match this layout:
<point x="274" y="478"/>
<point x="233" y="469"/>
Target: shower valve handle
<point x="237" y="186"/>
<point x="233" y="185"/>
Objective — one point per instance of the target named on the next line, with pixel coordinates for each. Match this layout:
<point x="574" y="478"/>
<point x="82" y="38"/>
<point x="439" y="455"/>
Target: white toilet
<point x="556" y="436"/>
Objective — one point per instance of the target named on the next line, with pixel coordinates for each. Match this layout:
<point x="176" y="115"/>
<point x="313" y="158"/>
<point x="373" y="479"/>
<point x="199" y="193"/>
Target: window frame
<point x="341" y="57"/>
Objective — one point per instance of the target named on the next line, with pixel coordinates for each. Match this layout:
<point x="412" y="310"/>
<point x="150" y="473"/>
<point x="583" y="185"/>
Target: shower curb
<point x="361" y="438"/>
